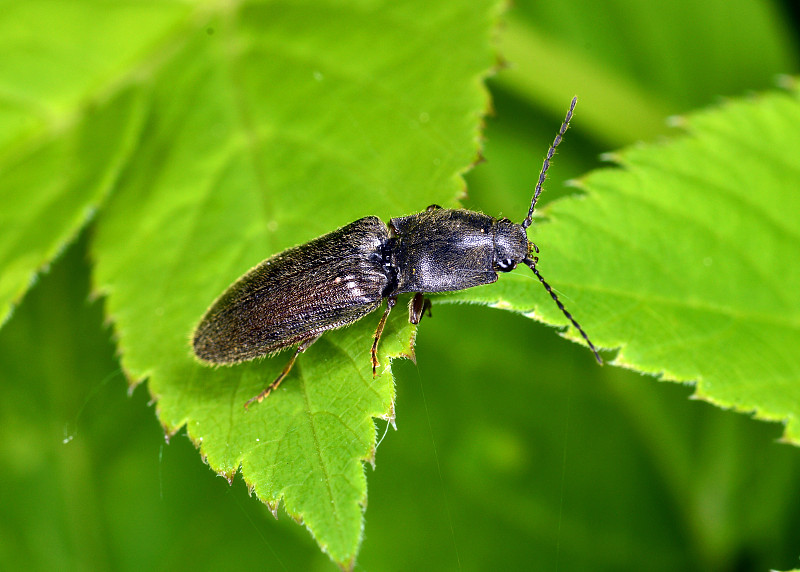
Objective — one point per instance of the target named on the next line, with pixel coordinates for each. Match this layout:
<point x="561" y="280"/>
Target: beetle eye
<point x="506" y="265"/>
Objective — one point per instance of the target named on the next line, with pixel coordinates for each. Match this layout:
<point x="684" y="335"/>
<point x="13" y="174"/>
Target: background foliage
<point x="511" y="441"/>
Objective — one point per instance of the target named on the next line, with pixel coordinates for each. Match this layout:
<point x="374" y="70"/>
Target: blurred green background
<point x="513" y="450"/>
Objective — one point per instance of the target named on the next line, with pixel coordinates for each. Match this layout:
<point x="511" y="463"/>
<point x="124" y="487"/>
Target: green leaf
<point x="634" y="63"/>
<point x="271" y="125"/>
<point x="559" y="443"/>
<point x="68" y="123"/>
<point x="683" y="259"/>
<point x="53" y="185"/>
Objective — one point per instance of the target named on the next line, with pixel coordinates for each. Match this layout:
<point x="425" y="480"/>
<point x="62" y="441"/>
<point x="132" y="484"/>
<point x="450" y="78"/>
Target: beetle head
<point x="510" y="245"/>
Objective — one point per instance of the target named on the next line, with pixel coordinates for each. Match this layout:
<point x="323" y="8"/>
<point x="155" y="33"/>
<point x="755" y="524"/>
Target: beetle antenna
<point x="532" y="265"/>
<point x="546" y="164"/>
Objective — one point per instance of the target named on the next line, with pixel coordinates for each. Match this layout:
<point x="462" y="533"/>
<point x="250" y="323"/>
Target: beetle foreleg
<point x="418" y="305"/>
<point x="390" y="302"/>
<point x="274" y="385"/>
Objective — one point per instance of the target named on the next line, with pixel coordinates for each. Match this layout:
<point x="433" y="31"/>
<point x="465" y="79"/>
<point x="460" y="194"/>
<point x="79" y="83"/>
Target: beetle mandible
<point x="293" y="297"/>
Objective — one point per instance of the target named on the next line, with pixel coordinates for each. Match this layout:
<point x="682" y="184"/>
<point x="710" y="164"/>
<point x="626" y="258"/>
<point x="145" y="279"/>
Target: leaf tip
<point x="169" y="432"/>
<point x="272" y="506"/>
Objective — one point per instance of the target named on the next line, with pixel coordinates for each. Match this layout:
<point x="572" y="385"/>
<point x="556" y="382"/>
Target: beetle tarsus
<point x="274" y="385"/>
<point x="287" y="368"/>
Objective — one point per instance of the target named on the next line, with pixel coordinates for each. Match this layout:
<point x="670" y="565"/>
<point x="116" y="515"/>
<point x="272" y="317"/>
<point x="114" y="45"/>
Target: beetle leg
<point x="390" y="302"/>
<point x="418" y="305"/>
<point x="432" y="208"/>
<point x="274" y="385"/>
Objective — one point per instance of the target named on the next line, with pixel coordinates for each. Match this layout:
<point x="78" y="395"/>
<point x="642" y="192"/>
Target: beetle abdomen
<point x="297" y="294"/>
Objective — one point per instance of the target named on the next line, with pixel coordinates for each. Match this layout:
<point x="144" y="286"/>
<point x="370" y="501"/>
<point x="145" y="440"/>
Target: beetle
<point x="293" y="297"/>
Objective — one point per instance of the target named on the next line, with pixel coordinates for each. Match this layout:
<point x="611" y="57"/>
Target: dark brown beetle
<point x="292" y="298"/>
